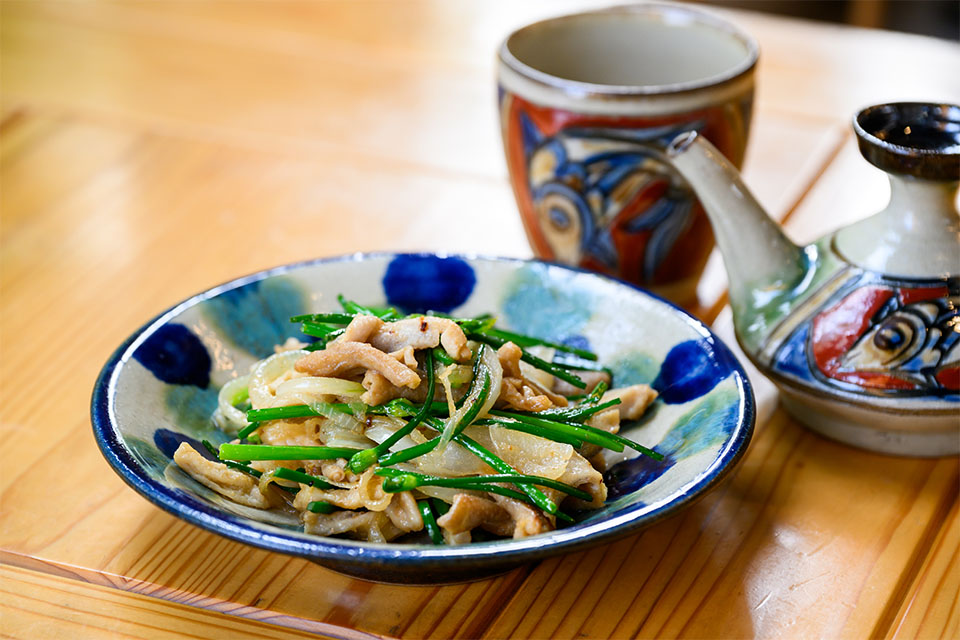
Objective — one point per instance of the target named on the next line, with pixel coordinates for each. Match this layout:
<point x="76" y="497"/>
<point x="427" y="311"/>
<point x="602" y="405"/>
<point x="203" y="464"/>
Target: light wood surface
<point x="151" y="150"/>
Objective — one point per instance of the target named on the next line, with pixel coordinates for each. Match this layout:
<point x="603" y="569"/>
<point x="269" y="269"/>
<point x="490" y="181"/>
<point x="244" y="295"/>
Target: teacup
<point x="588" y="103"/>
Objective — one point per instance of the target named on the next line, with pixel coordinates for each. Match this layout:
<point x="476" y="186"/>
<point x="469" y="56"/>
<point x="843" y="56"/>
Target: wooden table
<point x="151" y="150"/>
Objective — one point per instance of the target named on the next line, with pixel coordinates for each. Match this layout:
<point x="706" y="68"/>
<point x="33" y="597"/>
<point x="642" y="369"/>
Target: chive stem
<point x="331" y="318"/>
<point x="367" y="457"/>
<point x="430" y="522"/>
<point x="533" y="430"/>
<point x="579" y="431"/>
<point x="316" y="330"/>
<point x="384" y="313"/>
<point x="409" y="453"/>
<point x="581" y="365"/>
<point x="247" y="430"/>
<point x="321" y="506"/>
<point x="538" y="497"/>
<point x="529" y="341"/>
<point x="296" y="411"/>
<point x="532" y="360"/>
<point x="233" y="465"/>
<point x="298" y="476"/>
<point x="408" y="480"/>
<point x="572" y="414"/>
<point x="442" y="356"/>
<point x="439" y="506"/>
<point x="271" y="452"/>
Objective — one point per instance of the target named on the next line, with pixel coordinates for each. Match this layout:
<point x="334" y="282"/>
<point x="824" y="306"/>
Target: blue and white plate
<point x="160" y="388"/>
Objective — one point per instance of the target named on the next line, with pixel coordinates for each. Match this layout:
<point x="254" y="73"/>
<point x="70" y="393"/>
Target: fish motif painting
<point x="895" y="339"/>
<point x="597" y="191"/>
<point x="880" y="336"/>
<point x="605" y="197"/>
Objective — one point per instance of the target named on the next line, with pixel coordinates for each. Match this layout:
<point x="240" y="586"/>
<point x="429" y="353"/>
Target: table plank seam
<point x="924" y="548"/>
<point x="177" y="596"/>
<point x="953" y="605"/>
<point x="488" y="614"/>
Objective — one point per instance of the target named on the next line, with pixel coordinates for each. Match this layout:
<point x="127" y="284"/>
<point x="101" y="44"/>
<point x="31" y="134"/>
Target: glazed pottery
<point x="588" y="103"/>
<point x="160" y="388"/>
<point x="860" y="330"/>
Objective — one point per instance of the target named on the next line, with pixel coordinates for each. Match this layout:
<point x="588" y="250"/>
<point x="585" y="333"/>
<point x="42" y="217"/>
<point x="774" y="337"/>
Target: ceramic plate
<point x="160" y="387"/>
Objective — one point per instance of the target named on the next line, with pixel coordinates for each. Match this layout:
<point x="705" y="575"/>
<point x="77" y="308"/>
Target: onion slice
<point x="227" y="416"/>
<point x="484" y="390"/>
<point x="268" y="370"/>
<point x="318" y="386"/>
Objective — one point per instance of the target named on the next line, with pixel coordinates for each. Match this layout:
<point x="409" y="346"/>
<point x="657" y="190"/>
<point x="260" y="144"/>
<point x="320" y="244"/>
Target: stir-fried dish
<point x="390" y="424"/>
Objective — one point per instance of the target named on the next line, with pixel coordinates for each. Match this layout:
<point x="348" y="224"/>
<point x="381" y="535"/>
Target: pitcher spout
<point x="762" y="264"/>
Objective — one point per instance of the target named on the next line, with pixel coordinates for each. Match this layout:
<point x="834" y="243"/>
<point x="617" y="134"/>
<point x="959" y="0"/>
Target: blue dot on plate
<point x="691" y="370"/>
<point x="169" y="441"/>
<point x="420" y="283"/>
<point x="625" y="477"/>
<point x="176" y="356"/>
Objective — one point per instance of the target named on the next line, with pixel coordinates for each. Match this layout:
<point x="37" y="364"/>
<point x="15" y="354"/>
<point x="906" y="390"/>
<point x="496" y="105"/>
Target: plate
<point x="160" y="387"/>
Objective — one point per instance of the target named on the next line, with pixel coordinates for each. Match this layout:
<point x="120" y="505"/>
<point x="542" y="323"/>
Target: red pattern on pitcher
<point x="890" y="338"/>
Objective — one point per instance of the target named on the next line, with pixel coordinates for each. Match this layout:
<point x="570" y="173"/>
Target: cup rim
<point x="581" y="88"/>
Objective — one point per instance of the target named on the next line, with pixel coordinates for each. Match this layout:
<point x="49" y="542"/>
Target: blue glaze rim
<point x="236" y="528"/>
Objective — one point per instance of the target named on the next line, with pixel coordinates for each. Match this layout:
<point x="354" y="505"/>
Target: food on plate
<point x="388" y="424"/>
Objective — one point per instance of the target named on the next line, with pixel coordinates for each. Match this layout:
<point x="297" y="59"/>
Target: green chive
<point x="269" y="452"/>
<point x="590" y="434"/>
<point x="321" y="506"/>
<point x="439" y="506"/>
<point x="384" y="313"/>
<point x="578" y="413"/>
<point x="430" y="522"/>
<point x="296" y="411"/>
<point x="298" y="476"/>
<point x="475" y="325"/>
<point x="409" y="453"/>
<point x="367" y="457"/>
<point x="411" y="480"/>
<point x="247" y="430"/>
<point x="538" y="497"/>
<point x="332" y="318"/>
<point x="233" y="465"/>
<point x="541" y="432"/>
<point x="241" y="467"/>
<point x="597" y="394"/>
<point x="477" y="396"/>
<point x="579" y="431"/>
<point x="528" y="341"/>
<point x="533" y="361"/>
<point x="441" y="355"/>
<point x="582" y="365"/>
<point x="318" y="330"/>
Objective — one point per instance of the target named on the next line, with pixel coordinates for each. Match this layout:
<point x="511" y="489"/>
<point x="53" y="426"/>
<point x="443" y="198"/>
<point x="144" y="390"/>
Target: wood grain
<point x="36" y="606"/>
<point x="803" y="539"/>
<point x="931" y="607"/>
<point x="151" y="150"/>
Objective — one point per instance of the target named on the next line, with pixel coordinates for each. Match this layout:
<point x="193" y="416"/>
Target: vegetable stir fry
<point x="390" y="424"/>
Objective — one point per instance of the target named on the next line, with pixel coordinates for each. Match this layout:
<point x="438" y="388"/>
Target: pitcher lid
<point x="918" y="139"/>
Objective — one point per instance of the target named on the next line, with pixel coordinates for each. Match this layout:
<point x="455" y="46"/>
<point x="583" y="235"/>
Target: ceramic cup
<point x="588" y="102"/>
